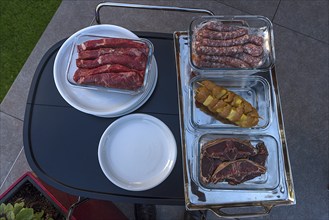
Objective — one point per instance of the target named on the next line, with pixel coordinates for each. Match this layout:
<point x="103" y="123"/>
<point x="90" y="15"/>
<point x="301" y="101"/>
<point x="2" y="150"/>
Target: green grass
<point x="22" y="23"/>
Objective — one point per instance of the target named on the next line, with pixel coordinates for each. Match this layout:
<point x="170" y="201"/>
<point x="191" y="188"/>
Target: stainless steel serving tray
<point x="221" y="199"/>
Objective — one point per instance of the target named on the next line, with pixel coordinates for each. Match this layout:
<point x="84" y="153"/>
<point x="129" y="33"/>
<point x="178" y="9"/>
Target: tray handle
<point x="153" y="7"/>
<point x="266" y="210"/>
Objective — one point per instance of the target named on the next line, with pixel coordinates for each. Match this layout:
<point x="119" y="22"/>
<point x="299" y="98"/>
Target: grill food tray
<point x="262" y="197"/>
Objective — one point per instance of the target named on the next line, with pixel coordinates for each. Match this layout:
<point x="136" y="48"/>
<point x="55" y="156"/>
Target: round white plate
<point x="137" y="152"/>
<point x="99" y="103"/>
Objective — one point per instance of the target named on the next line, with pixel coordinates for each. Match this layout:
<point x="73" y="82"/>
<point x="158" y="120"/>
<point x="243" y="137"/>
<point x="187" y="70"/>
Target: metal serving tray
<point x="262" y="194"/>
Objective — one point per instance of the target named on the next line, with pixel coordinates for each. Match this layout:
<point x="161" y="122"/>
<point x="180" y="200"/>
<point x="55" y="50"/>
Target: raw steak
<point x="123" y="80"/>
<point x="208" y="166"/>
<point x="238" y="171"/>
<point x="261" y="155"/>
<point x="111" y="42"/>
<point x="93" y="54"/>
<point x="138" y="63"/>
<point x="228" y="149"/>
<point x="115" y="68"/>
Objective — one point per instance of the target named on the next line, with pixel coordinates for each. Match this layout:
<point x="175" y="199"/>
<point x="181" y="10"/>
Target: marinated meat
<point x="216" y="116"/>
<point x="122" y="80"/>
<point x="226" y="104"/>
<point x="208" y="166"/>
<point x="262" y="154"/>
<point x="228" y="149"/>
<point x="238" y="171"/>
<point x="232" y="160"/>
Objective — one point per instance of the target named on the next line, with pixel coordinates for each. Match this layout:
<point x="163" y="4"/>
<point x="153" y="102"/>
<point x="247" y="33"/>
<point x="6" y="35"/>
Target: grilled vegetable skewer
<point x="226" y="104"/>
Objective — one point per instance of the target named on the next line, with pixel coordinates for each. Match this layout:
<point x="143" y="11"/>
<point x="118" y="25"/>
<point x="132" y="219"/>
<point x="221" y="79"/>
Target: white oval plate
<point x="99" y="103"/>
<point x="137" y="152"/>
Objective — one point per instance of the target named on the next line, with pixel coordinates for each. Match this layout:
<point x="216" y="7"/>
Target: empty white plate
<point x="137" y="152"/>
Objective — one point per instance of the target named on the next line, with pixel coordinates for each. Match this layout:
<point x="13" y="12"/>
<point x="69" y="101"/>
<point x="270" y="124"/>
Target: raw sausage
<point x="227" y="60"/>
<point x="252" y="61"/>
<point x="222" y="35"/>
<point x="219" y="50"/>
<point x="219" y="26"/>
<point x="253" y="50"/>
<point x="223" y="43"/>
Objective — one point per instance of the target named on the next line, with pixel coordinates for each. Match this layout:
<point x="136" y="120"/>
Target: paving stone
<point x="20" y="167"/>
<point x="11" y="142"/>
<point x="254" y="7"/>
<point x="304" y="16"/>
<point x="165" y="212"/>
<point x="302" y="70"/>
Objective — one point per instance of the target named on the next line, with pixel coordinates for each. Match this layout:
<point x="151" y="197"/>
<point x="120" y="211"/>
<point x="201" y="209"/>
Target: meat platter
<point x="98" y="100"/>
<point x="233" y="141"/>
<point x="110" y="64"/>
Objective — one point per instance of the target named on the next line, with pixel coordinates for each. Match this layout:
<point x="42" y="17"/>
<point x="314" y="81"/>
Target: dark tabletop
<point x="61" y="143"/>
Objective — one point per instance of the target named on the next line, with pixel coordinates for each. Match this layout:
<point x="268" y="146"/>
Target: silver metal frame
<point x="152" y="7"/>
<point x="276" y="129"/>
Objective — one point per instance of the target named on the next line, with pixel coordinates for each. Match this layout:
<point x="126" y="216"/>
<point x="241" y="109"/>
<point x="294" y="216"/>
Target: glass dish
<point x="254" y="89"/>
<point x="258" y="26"/>
<point x="267" y="181"/>
<point x="72" y="67"/>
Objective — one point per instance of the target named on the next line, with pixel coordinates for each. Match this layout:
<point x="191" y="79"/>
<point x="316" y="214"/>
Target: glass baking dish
<point x="254" y="89"/>
<point x="267" y="181"/>
<point x="72" y="67"/>
<point x="229" y="47"/>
